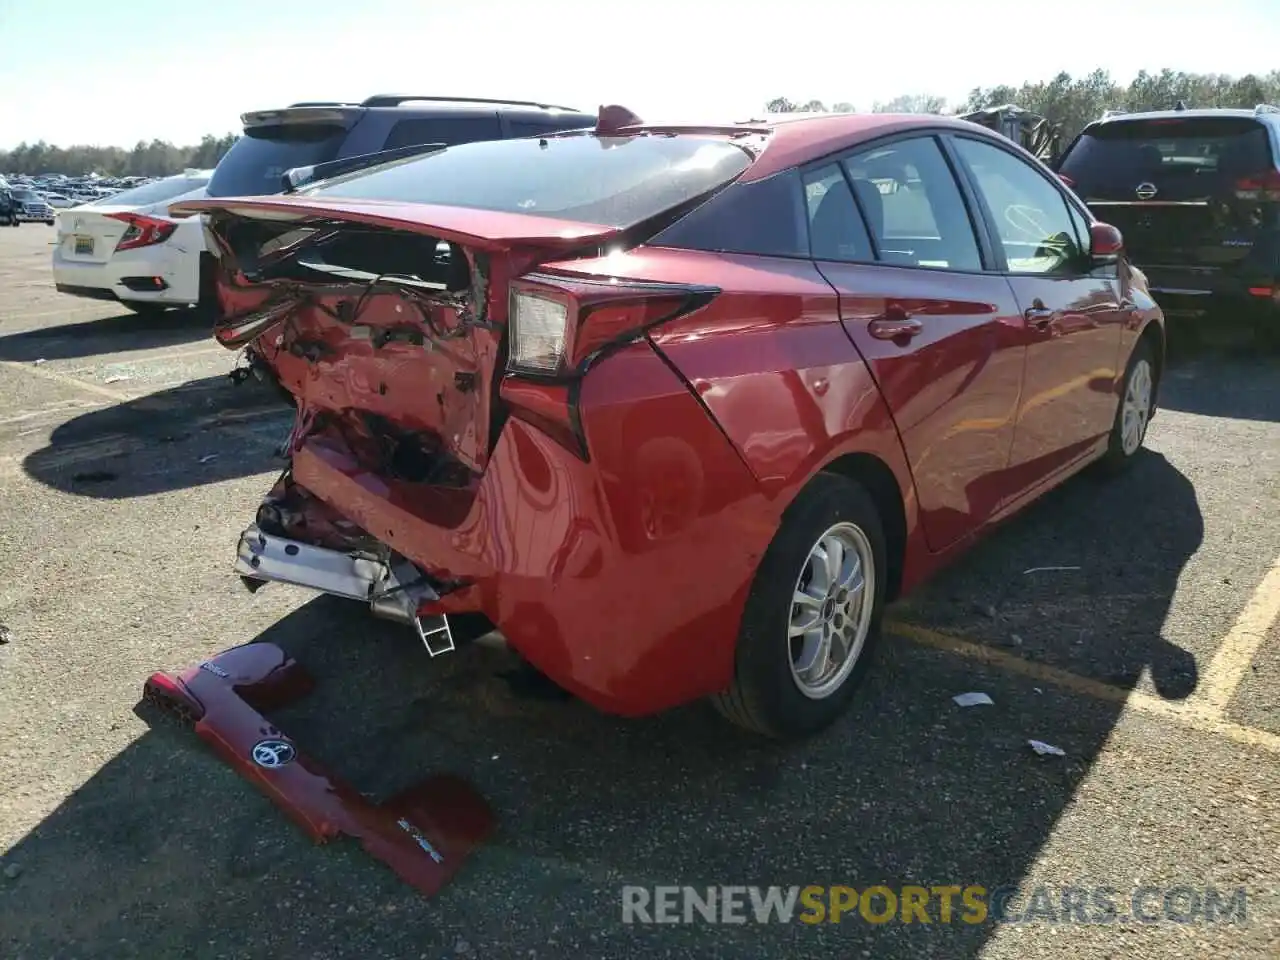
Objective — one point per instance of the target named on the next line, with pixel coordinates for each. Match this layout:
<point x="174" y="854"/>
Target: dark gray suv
<point x="305" y="134"/>
<point x="1196" y="194"/>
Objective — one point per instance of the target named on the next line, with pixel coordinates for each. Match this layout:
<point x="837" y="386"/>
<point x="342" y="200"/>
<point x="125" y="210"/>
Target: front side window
<point x="913" y="206"/>
<point x="1029" y="214"/>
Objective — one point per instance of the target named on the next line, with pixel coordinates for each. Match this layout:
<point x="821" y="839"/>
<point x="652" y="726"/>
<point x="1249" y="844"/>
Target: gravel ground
<point x="129" y="464"/>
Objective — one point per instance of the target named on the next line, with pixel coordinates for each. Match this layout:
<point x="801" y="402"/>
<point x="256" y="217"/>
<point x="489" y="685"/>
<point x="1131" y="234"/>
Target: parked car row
<point x="678" y="409"/>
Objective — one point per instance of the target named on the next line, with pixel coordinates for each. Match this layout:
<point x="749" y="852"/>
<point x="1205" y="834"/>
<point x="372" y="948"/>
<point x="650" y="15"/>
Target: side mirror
<point x="1105" y="243"/>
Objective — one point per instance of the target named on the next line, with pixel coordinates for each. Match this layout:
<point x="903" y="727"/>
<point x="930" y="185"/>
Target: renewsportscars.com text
<point x="943" y="904"/>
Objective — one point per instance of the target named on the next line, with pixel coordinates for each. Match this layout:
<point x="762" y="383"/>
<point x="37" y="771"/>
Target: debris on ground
<point x="6" y="635"/>
<point x="1046" y="749"/>
<point x="1048" y="570"/>
<point x="986" y="609"/>
<point x="39" y="360"/>
<point x="1015" y="639"/>
<point x="972" y="700"/>
<point x="461" y="947"/>
<point x="209" y="458"/>
<point x="12" y="870"/>
<point x="117" y="378"/>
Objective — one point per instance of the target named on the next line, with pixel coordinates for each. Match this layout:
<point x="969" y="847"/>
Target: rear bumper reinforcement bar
<point x="394" y="589"/>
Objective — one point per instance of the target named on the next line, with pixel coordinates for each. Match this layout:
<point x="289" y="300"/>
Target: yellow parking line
<point x="1191" y="712"/>
<point x="1238" y="648"/>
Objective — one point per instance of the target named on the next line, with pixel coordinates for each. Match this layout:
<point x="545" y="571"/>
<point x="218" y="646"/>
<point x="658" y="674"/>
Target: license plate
<point x="84" y="245"/>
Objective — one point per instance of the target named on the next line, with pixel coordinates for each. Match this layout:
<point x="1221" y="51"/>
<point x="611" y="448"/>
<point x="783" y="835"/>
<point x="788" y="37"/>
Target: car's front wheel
<point x="813" y="615"/>
<point x="1137" y="402"/>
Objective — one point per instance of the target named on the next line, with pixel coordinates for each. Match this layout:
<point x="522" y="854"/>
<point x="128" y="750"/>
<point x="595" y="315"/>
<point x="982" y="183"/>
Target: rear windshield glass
<point x="161" y="190"/>
<point x="1159" y="150"/>
<point x="611" y="181"/>
<point x="254" y="164"/>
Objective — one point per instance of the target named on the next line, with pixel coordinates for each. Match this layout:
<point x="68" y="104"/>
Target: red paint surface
<point x="613" y="526"/>
<point x="224" y="696"/>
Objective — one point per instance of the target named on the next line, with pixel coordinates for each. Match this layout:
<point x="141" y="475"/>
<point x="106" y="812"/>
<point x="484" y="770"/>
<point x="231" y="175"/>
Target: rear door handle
<point x="894" y="328"/>
<point x="1040" y="317"/>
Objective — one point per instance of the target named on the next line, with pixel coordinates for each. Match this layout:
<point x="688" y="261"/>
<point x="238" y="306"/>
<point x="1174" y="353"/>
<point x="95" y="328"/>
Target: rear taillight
<point x="142" y="231"/>
<point x="558" y="324"/>
<point x="1263" y="186"/>
<point x="558" y="327"/>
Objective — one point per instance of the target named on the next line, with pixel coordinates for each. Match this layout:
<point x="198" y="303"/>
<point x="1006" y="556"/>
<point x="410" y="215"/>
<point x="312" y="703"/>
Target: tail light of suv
<point x="143" y="231"/>
<point x="1262" y="186"/>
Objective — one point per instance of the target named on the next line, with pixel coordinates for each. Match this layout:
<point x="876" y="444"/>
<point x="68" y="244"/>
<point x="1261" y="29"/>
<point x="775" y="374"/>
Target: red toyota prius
<point x="679" y="409"/>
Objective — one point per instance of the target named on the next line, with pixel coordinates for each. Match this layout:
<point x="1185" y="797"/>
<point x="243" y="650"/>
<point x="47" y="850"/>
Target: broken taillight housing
<point x="142" y="231"/>
<point x="560" y="326"/>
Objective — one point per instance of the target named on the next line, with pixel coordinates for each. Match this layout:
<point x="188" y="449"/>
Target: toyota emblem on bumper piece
<point x="273" y="753"/>
<point x="1145" y="191"/>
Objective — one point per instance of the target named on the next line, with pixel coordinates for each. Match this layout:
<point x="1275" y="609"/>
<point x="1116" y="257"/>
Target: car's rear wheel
<point x="1133" y="414"/>
<point x="813" y="615"/>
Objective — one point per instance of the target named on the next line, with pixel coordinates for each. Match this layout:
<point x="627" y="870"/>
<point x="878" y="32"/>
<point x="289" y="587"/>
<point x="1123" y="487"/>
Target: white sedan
<point x="129" y="249"/>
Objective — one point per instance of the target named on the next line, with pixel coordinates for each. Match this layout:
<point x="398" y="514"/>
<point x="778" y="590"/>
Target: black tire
<point x="1117" y="458"/>
<point x="764" y="696"/>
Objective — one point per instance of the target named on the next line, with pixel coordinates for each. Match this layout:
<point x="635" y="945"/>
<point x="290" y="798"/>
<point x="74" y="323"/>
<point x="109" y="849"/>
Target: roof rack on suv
<point x="1265" y="108"/>
<point x="323" y="103"/>
<point x="395" y="99"/>
<point x="1108" y="114"/>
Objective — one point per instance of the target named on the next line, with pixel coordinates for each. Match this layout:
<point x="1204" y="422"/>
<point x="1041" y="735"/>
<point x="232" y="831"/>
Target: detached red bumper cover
<point x="424" y="834"/>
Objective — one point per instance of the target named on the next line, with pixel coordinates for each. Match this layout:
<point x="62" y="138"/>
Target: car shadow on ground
<point x="203" y="431"/>
<point x="1213" y="384"/>
<point x="165" y="852"/>
<point x="123" y="333"/>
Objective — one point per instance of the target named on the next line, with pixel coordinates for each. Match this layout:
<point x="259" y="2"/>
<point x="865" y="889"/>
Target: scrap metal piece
<point x="424" y="834"/>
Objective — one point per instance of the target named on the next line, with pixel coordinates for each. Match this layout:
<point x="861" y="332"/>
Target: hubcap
<point x="1136" y="410"/>
<point x="831" y="610"/>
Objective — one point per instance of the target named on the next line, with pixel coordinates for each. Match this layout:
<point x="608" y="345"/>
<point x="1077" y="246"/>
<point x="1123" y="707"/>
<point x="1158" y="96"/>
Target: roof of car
<point x="799" y="139"/>
<point x="1202" y="113"/>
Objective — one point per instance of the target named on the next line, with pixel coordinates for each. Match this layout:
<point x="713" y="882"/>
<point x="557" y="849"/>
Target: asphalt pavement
<point x="1131" y="623"/>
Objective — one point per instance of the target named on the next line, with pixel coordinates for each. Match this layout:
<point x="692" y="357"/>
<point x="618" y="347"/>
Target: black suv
<point x="1197" y="195"/>
<point x="306" y="134"/>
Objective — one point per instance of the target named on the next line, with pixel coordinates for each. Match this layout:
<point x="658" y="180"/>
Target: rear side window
<point x="913" y="206"/>
<point x="1205" y="150"/>
<point x="836" y="229"/>
<point x="447" y="130"/>
<point x="609" y="181"/>
<point x="254" y="164"/>
<point x="763" y="217"/>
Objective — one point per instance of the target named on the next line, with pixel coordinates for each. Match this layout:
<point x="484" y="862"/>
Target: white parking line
<point x="56" y="377"/>
<point x="1237" y="649"/>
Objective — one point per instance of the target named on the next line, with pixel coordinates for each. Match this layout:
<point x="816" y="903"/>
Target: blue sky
<point x="76" y="71"/>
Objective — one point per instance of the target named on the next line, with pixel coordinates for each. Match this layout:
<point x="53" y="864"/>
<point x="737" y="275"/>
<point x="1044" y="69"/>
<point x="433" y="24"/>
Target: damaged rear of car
<point x="460" y="443"/>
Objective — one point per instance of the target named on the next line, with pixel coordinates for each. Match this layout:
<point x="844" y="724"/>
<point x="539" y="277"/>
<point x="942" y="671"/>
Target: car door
<point x="1072" y="313"/>
<point x="939" y="331"/>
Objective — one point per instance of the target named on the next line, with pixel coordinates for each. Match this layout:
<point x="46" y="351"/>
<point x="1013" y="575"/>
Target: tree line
<point x="155" y="159"/>
<point x="1066" y="100"/>
<point x="1074" y="102"/>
